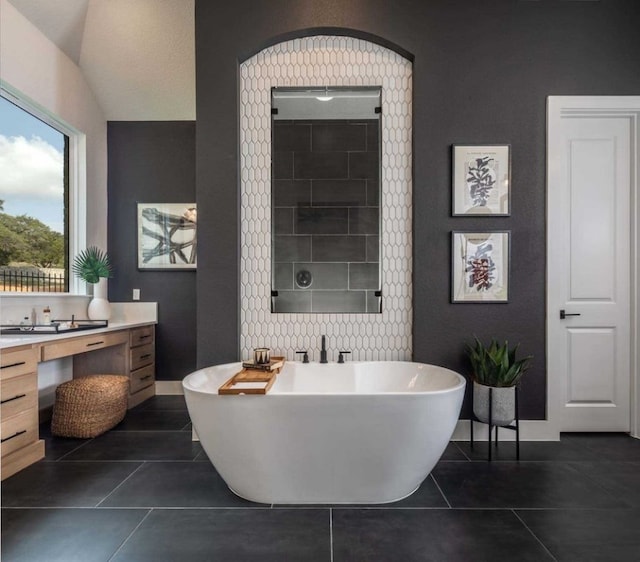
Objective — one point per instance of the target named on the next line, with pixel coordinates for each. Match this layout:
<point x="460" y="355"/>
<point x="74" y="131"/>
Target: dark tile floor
<point x="145" y="491"/>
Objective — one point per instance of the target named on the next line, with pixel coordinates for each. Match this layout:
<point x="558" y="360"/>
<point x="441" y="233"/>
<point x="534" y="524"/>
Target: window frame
<point x="77" y="185"/>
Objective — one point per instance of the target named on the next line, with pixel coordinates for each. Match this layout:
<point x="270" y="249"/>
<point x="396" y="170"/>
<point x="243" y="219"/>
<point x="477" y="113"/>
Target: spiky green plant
<point x="92" y="264"/>
<point x="496" y="365"/>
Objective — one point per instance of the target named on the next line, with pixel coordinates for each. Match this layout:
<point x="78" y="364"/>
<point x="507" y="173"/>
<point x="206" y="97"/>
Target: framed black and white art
<point x="481" y="180"/>
<point x="167" y="236"/>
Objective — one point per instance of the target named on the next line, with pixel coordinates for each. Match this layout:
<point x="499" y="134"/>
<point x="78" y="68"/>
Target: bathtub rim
<point x="462" y="382"/>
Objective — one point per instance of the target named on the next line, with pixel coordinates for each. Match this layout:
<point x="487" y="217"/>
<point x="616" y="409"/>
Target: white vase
<point x="99" y="307"/>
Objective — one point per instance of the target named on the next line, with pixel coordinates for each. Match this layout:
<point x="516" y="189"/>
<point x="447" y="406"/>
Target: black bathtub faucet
<point x="323" y="351"/>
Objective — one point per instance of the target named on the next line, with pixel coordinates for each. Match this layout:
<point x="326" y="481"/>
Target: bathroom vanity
<point x="122" y="348"/>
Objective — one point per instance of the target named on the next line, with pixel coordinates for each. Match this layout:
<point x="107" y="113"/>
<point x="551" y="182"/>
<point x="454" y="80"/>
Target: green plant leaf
<point x="92" y="264"/>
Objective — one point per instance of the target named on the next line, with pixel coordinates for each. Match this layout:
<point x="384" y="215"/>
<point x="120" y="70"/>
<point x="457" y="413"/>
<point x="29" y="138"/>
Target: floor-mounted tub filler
<point x="360" y="432"/>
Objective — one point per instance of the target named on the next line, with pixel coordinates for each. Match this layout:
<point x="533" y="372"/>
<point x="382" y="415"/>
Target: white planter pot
<point x="503" y="404"/>
<point x="99" y="307"/>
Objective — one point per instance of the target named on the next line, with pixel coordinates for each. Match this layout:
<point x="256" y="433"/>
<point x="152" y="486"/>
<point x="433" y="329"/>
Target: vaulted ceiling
<point x="138" y="56"/>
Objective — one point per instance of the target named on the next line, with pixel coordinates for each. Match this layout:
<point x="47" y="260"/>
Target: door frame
<point x="595" y="106"/>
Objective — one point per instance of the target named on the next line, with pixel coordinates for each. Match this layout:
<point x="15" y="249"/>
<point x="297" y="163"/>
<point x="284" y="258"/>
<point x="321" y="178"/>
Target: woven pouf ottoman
<point x="89" y="406"/>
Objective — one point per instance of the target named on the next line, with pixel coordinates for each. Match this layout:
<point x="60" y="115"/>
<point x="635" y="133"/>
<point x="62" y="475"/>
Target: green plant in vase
<point x="93" y="266"/>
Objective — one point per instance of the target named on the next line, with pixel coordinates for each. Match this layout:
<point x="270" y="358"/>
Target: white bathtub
<point x="361" y="432"/>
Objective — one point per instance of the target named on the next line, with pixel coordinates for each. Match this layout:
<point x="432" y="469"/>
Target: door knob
<point x="564" y="314"/>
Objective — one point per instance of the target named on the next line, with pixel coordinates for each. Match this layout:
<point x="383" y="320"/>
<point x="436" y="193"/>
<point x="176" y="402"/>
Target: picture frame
<point x="481" y="180"/>
<point x="480" y="264"/>
<point x="167" y="236"/>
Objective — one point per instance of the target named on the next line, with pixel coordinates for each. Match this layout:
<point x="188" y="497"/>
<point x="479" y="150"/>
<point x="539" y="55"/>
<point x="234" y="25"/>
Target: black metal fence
<point x="31" y="282"/>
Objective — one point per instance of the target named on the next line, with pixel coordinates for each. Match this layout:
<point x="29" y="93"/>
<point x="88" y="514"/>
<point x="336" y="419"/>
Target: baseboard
<point x="530" y="430"/>
<point x="169" y="387"/>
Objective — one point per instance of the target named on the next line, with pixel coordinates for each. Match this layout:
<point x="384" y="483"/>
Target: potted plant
<point x="92" y="265"/>
<point x="495" y="367"/>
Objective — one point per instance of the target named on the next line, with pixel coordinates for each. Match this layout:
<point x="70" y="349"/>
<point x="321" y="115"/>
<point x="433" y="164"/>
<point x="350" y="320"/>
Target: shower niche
<point x="325" y="200"/>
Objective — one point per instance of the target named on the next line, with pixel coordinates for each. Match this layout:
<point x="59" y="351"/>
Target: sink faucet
<point x="323" y="351"/>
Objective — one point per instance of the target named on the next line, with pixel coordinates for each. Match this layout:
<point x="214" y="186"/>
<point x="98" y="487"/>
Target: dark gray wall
<point x="482" y="73"/>
<point x="153" y="162"/>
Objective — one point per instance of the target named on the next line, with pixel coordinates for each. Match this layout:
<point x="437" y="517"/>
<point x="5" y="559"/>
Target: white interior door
<point x="589" y="275"/>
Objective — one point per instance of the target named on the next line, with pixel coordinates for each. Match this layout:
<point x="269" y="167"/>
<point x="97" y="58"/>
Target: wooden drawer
<point x="141" y="378"/>
<point x="82" y="344"/>
<point x="17" y="363"/>
<point x="18" y="394"/>
<point x="141" y="336"/>
<point x="19" y="431"/>
<point x="142" y="356"/>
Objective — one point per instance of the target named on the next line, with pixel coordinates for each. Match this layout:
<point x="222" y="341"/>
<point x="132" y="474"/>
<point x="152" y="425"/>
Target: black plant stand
<point x="515" y="427"/>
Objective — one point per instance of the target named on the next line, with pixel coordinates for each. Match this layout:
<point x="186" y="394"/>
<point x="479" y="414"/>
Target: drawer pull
<point x="145" y="378"/>
<point x="143" y="337"/>
<point x="94" y="343"/>
<point x="14" y="435"/>
<point x="14" y="398"/>
<point x="13" y="365"/>
<point x="145" y="356"/>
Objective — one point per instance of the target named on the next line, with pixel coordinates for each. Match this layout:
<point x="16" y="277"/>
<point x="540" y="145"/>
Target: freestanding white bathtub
<point x="359" y="432"/>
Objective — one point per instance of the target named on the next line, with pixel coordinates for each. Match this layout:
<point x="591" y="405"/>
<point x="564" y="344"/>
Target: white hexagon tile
<point x="332" y="61"/>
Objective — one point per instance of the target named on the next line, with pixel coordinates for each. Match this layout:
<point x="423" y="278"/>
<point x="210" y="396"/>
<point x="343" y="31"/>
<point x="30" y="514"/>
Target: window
<point x="34" y="199"/>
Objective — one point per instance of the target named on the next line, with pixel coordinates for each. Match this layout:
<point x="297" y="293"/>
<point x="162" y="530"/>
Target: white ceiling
<point x="138" y="56"/>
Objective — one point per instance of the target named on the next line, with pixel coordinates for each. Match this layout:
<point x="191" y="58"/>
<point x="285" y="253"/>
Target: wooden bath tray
<point x="252" y="381"/>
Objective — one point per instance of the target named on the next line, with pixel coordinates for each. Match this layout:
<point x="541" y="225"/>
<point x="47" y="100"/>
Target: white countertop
<point x="125" y="315"/>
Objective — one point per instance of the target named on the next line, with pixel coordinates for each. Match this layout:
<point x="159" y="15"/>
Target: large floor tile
<point x="523" y="484"/>
<point x="64" y="484"/>
<point x="607" y="446"/>
<point x="139" y="446"/>
<point x="154" y="420"/>
<point x="427" y="495"/>
<point x="176" y="484"/>
<point x="434" y="535"/>
<point x="65" y="535"/>
<point x="453" y="452"/>
<point x="587" y="535"/>
<point x="621" y="479"/>
<point x="238" y="535"/>
<point x="163" y="402"/>
<point x="529" y="451"/>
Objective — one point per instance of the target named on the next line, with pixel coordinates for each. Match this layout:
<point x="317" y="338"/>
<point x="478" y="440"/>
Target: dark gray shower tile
<point x="364" y="220"/>
<point x="138" y="446"/>
<point x="364" y="165"/>
<point x="291" y="193"/>
<point x="373" y="193"/>
<point x="239" y="535"/>
<point x="283" y="276"/>
<point x="322" y="220"/>
<point x="283" y="220"/>
<point x="439" y="535"/>
<point x="291" y="136"/>
<point x="292" y="301"/>
<point x="292" y="248"/>
<point x="282" y="167"/>
<point x="364" y="276"/>
<point x="520" y="485"/>
<point x="338" y="248"/>
<point x="622" y="479"/>
<point x="373" y="136"/>
<point x="339" y="136"/>
<point x="175" y="484"/>
<point x="66" y="535"/>
<point x="153" y="420"/>
<point x="339" y="301"/>
<point x="373" y="248"/>
<point x="595" y="535"/>
<point x="321" y="165"/>
<point x="373" y="302"/>
<point x="328" y="276"/>
<point x="339" y="193"/>
<point x="64" y="484"/>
